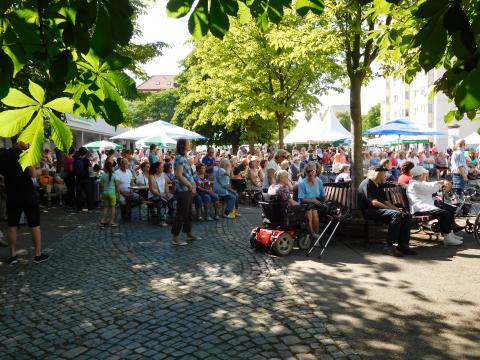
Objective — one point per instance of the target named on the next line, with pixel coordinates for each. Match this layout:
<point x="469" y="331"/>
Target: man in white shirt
<point x="126" y="197"/>
<point x="420" y="191"/>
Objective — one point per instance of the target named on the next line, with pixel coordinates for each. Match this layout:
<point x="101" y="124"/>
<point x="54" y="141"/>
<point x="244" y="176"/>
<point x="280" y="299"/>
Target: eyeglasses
<point x="312" y="170"/>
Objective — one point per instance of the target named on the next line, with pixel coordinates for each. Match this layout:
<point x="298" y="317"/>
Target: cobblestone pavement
<point x="128" y="293"/>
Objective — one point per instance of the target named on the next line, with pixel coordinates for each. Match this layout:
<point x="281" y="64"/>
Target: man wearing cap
<point x="419" y="192"/>
<point x="372" y="200"/>
<point x="459" y="167"/>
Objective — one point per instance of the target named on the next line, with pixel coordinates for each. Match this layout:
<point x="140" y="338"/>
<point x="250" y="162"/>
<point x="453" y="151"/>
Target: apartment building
<point x="414" y="102"/>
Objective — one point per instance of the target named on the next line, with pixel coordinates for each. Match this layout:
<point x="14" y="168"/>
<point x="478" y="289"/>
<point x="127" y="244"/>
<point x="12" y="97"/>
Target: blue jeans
<point x="398" y="225"/>
<point x="200" y="199"/>
<point x="231" y="201"/>
<point x="458" y="183"/>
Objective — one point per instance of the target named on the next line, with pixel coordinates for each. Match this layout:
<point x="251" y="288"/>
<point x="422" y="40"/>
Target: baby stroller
<point x="283" y="227"/>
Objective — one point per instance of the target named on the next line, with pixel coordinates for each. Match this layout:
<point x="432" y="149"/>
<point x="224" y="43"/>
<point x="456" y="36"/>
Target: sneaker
<point x="231" y="215"/>
<point x="238" y="214"/>
<point x="216" y="217"/>
<point x="209" y="218"/>
<point x="449" y="240"/>
<point x="455" y="236"/>
<point x="12" y="260"/>
<point x="41" y="258"/>
<point x="200" y="218"/>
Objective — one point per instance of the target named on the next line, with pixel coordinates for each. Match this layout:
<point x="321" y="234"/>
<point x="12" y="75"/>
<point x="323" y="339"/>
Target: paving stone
<point x="130" y="294"/>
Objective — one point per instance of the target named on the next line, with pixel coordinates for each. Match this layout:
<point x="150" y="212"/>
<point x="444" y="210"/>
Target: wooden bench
<point x="346" y="197"/>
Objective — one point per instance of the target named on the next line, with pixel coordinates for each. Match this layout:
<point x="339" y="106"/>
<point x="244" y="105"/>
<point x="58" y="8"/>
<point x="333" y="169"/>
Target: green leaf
<point x="115" y="61"/>
<point x="113" y="105"/>
<point x="448" y="118"/>
<point x="5" y="5"/>
<point x="433" y="45"/>
<point x="16" y="98"/>
<point x="32" y="135"/>
<point x="123" y="83"/>
<point x="467" y="96"/>
<point x="303" y="6"/>
<point x="430" y="8"/>
<point x="179" y="8"/>
<point x="62" y="105"/>
<point x="60" y="133"/>
<point x="198" y="22"/>
<point x="13" y="121"/>
<point x="219" y="23"/>
<point x="102" y="39"/>
<point x="62" y="68"/>
<point x="455" y="19"/>
<point x="6" y="73"/>
<point x="36" y="91"/>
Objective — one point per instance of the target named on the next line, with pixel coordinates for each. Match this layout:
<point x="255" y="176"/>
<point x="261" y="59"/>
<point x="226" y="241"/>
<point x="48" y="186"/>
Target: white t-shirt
<point x="124" y="178"/>
<point x="400" y="162"/>
<point x="419" y="195"/>
<point x="271" y="165"/>
<point x="142" y="179"/>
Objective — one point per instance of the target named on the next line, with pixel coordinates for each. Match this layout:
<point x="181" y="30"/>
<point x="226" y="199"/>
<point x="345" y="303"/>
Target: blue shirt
<point x="309" y="191"/>
<point x="458" y="160"/>
<point x="187" y="173"/>
<point x="221" y="182"/>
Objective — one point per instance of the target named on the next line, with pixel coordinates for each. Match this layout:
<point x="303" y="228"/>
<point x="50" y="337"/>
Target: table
<point x="142" y="191"/>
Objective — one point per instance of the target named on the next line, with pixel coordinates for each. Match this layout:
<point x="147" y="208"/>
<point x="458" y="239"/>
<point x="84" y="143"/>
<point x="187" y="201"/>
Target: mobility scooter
<point x="283" y="227"/>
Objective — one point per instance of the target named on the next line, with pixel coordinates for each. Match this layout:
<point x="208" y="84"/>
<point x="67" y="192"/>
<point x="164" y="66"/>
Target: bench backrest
<point x="397" y="194"/>
<point x="343" y="194"/>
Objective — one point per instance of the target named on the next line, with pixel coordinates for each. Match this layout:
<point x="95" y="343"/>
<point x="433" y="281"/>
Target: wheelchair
<point x="283" y="227"/>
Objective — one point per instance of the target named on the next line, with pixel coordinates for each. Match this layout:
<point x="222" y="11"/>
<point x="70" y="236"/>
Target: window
<point x="407" y="113"/>
<point x="395" y="98"/>
<point x="157" y="82"/>
<point x="387" y="100"/>
<point x="407" y="95"/>
<point x="169" y="83"/>
<point x="430" y="108"/>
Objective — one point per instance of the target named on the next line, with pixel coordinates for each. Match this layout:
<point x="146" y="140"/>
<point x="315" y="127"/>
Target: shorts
<point x="109" y="200"/>
<point x="29" y="206"/>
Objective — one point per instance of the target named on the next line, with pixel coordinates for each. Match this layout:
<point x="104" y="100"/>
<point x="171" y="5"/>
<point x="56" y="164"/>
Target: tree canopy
<point x="157" y="106"/>
<point x="257" y="79"/>
<point x="70" y="56"/>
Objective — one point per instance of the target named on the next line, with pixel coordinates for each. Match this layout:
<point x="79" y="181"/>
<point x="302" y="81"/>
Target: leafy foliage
<point x="372" y="118"/>
<point x="257" y="79"/>
<point x="75" y="48"/>
<point x="213" y="16"/>
<point x="439" y="33"/>
<point x="156" y="106"/>
<point x="344" y="119"/>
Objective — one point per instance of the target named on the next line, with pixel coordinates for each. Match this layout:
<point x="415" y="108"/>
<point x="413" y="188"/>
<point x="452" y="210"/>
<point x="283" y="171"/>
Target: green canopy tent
<point x="162" y="141"/>
<point x="106" y="145"/>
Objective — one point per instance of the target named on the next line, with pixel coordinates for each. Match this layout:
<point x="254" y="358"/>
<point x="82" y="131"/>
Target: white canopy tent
<point x="327" y="130"/>
<point x="299" y="132"/>
<point x="473" y="139"/>
<point x="158" y="127"/>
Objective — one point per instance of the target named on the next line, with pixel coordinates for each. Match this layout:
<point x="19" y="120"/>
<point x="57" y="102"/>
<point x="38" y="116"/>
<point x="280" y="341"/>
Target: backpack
<point x="79" y="168"/>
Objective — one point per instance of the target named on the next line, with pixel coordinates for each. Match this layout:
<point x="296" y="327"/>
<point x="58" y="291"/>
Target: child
<point x="109" y="185"/>
<point x="46" y="184"/>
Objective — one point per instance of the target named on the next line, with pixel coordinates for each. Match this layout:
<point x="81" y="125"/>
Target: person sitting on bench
<point x="419" y="193"/>
<point x="372" y="200"/>
<point x="311" y="193"/>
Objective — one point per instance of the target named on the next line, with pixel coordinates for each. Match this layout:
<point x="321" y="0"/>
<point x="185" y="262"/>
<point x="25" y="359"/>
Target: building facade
<point x="414" y="102"/>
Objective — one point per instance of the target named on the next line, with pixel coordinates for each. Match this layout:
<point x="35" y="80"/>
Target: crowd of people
<point x="184" y="185"/>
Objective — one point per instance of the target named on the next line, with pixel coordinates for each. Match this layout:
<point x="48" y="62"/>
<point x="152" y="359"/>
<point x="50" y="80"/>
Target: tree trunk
<point x="356" y="114"/>
<point x="251" y="144"/>
<point x="281" y="123"/>
<point x="235" y="144"/>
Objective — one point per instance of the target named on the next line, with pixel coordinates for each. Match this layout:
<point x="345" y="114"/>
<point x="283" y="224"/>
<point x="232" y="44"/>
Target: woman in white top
<point x="158" y="192"/>
<point x="142" y="177"/>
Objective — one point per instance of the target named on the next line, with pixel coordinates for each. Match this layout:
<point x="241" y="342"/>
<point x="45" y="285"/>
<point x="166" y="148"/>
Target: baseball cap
<point x="418" y="170"/>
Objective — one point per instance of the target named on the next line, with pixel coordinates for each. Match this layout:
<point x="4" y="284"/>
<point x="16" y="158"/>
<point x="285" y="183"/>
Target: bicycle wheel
<point x="476" y="229"/>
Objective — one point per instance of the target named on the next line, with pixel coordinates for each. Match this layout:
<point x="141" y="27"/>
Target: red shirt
<point x="404" y="179"/>
<point x="67" y="164"/>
